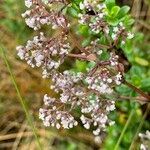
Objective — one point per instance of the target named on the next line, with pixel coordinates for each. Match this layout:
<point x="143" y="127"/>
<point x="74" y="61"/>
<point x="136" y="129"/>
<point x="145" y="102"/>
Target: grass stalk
<point x="140" y="126"/>
<point x="22" y="101"/>
<point x="124" y="130"/>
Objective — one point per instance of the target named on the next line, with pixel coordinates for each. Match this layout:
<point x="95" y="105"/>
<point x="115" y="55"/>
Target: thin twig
<point x="78" y="56"/>
<point x="140" y="126"/>
<point x="18" y="139"/>
<point x="124" y="130"/>
<point x="23" y="103"/>
<point x="144" y="24"/>
<point x="137" y="90"/>
<point x="23" y="134"/>
<point x="77" y="44"/>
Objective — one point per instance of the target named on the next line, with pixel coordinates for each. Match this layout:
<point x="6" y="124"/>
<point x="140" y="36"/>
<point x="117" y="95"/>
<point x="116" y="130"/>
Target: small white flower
<point x="30" y="22"/>
<point x="142" y="147"/>
<point x="115" y="29"/>
<point x="109" y="80"/>
<point x="111" y="123"/>
<point x="97" y="139"/>
<point x="28" y="3"/>
<point x="75" y="123"/>
<point x="96" y="132"/>
<point x="122" y="42"/>
<point x="114" y="36"/>
<point x="99" y="52"/>
<point x="58" y="126"/>
<point x="130" y="36"/>
<point x="81" y="6"/>
<point x="118" y="78"/>
<point x="45" y="1"/>
<point x="110" y="108"/>
<point x="87" y="126"/>
<point x="21" y="52"/>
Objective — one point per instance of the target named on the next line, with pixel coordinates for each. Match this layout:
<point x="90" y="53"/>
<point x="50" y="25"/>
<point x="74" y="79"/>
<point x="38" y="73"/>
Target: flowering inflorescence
<point x="88" y="91"/>
<point x="97" y="22"/>
<point x="38" y="15"/>
<point x="145" y="139"/>
<point x="45" y="52"/>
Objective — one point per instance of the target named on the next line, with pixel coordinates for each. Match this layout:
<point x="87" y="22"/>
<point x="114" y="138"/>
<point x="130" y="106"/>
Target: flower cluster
<point x="38" y="16"/>
<point x="97" y="21"/>
<point x="91" y="5"/>
<point x="54" y="1"/>
<point x="87" y="91"/>
<point x="145" y="138"/>
<point x="42" y="51"/>
<point x="93" y="108"/>
<point x="56" y="118"/>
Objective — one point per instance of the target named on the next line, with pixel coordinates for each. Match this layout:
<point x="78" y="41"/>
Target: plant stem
<point x="22" y="101"/>
<point x="124" y="129"/>
<point x="137" y="90"/>
<point x="78" y="56"/>
<point x="77" y="44"/>
<point x="140" y="126"/>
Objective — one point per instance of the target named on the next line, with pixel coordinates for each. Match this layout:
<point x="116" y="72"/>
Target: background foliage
<point x="15" y="133"/>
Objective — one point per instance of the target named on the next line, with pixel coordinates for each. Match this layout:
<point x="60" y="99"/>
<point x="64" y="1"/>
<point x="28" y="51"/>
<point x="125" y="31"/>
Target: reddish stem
<point x="78" y="56"/>
<point x="137" y="90"/>
<point x="77" y="44"/>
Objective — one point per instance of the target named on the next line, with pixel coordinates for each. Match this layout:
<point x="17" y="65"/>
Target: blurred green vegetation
<point x="13" y="31"/>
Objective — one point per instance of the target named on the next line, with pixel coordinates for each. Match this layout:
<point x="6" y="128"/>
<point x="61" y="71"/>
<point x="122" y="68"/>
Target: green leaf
<point x="83" y="30"/>
<point x="113" y="21"/>
<point x="103" y="39"/>
<point x="136" y="70"/>
<point x="146" y="84"/>
<point x="124" y="90"/>
<point x="123" y="11"/>
<point x="75" y="6"/>
<point x="128" y="137"/>
<point x="141" y="61"/>
<point x="76" y="1"/>
<point x="91" y="64"/>
<point x="128" y="21"/>
<point x="128" y="47"/>
<point x="73" y="12"/>
<point x="104" y="55"/>
<point x="114" y="11"/>
<point x="109" y="4"/>
<point x="80" y="66"/>
<point x="86" y="42"/>
<point x="136" y="80"/>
